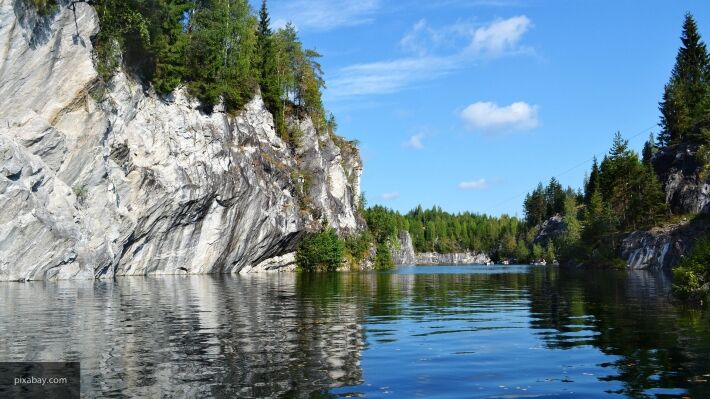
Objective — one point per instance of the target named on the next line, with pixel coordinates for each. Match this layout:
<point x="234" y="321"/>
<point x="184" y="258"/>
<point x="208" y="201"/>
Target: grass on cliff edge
<point x="692" y="275"/>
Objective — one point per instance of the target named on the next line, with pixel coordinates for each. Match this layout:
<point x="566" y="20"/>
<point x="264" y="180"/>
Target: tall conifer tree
<point x="686" y="98"/>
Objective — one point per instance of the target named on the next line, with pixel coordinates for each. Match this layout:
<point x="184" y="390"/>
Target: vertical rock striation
<point x="99" y="180"/>
<point x="404" y="255"/>
<point x="662" y="247"/>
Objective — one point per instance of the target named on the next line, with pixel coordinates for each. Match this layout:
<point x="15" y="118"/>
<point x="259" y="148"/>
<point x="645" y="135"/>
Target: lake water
<point x="430" y="332"/>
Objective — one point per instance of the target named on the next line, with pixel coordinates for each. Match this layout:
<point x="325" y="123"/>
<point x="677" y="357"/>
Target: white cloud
<point x="479" y="184"/>
<point x="323" y="15"/>
<point x="436" y="53"/>
<point x="415" y="142"/>
<point x="390" y="196"/>
<point x="501" y="36"/>
<point x="489" y="117"/>
<point x="414" y="40"/>
<point x="387" y="76"/>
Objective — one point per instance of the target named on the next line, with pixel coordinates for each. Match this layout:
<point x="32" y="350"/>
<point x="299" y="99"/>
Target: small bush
<point x="81" y="192"/>
<point x="692" y="275"/>
<point x="321" y="251"/>
<point x="45" y="7"/>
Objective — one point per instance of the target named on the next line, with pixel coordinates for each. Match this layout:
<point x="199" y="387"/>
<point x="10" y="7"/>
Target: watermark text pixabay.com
<point x="40" y="380"/>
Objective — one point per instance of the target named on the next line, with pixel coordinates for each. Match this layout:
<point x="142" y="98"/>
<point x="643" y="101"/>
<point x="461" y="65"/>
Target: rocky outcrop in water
<point x="678" y="169"/>
<point x="106" y="179"/>
<point x="662" y="247"/>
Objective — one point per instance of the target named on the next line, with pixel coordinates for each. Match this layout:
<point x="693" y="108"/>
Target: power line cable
<point x="565" y="172"/>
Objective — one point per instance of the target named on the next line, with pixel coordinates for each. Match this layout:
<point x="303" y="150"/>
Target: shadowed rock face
<point x="103" y="180"/>
<point x="678" y="170"/>
<point x="549" y="229"/>
<point x="663" y="247"/>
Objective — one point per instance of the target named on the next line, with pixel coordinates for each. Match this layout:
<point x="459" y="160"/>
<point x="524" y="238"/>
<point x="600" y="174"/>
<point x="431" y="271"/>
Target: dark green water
<point x="431" y="332"/>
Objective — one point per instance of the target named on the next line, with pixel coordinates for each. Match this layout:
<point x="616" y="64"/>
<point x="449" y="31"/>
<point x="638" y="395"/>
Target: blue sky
<point x="469" y="104"/>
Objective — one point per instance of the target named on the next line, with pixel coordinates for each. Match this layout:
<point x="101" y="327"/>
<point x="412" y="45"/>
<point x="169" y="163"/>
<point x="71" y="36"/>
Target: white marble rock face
<point x="97" y="182"/>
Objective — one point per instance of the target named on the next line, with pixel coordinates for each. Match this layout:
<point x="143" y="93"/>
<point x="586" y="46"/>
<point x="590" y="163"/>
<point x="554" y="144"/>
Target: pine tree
<point x="536" y="206"/>
<point x="554" y="198"/>
<point x="649" y="149"/>
<point x="268" y="74"/>
<point x="686" y="98"/>
<point x="169" y="46"/>
<point x="592" y="183"/>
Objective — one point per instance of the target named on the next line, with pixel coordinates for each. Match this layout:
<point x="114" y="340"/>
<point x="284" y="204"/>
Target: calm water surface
<point x="431" y="332"/>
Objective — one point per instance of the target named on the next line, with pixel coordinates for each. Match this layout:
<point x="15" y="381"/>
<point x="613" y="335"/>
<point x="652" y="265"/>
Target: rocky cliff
<point x="405" y="255"/>
<point x="549" y="229"/>
<point x="678" y="169"/>
<point x="104" y="179"/>
<point x="686" y="193"/>
<point x="662" y="247"/>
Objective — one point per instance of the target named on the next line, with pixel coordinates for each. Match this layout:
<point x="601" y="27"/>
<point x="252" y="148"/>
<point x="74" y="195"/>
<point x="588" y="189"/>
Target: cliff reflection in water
<point x="455" y="331"/>
<point x="186" y="337"/>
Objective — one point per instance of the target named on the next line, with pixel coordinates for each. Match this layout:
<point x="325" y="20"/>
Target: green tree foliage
<point x="686" y="98"/>
<point x="537" y="253"/>
<point x="550" y="255"/>
<point x="383" y="223"/>
<point x="221" y="53"/>
<point x="598" y="238"/>
<point x="217" y="48"/>
<point x="522" y="253"/>
<point x="649" y="150"/>
<point x="692" y="275"/>
<point x="592" y="183"/>
<point x="383" y="258"/>
<point x="630" y="187"/>
<point x="268" y="57"/>
<point x="545" y="202"/>
<point x="433" y="230"/>
<point x="322" y="251"/>
<point x="44" y="7"/>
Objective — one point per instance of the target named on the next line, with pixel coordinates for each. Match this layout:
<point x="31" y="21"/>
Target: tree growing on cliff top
<point x="686" y="98"/>
<point x="269" y="76"/>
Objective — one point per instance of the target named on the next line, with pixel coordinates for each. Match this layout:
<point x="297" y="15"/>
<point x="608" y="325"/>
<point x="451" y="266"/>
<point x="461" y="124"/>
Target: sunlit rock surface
<point x="103" y="180"/>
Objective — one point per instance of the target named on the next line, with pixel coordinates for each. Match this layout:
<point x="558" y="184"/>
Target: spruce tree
<point x="686" y="98"/>
<point x="592" y="183"/>
<point x="649" y="149"/>
<point x="268" y="74"/>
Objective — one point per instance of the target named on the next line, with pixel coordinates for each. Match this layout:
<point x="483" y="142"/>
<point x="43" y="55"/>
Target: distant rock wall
<point x="405" y="255"/>
<point x="456" y="258"/>
<point x="100" y="180"/>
